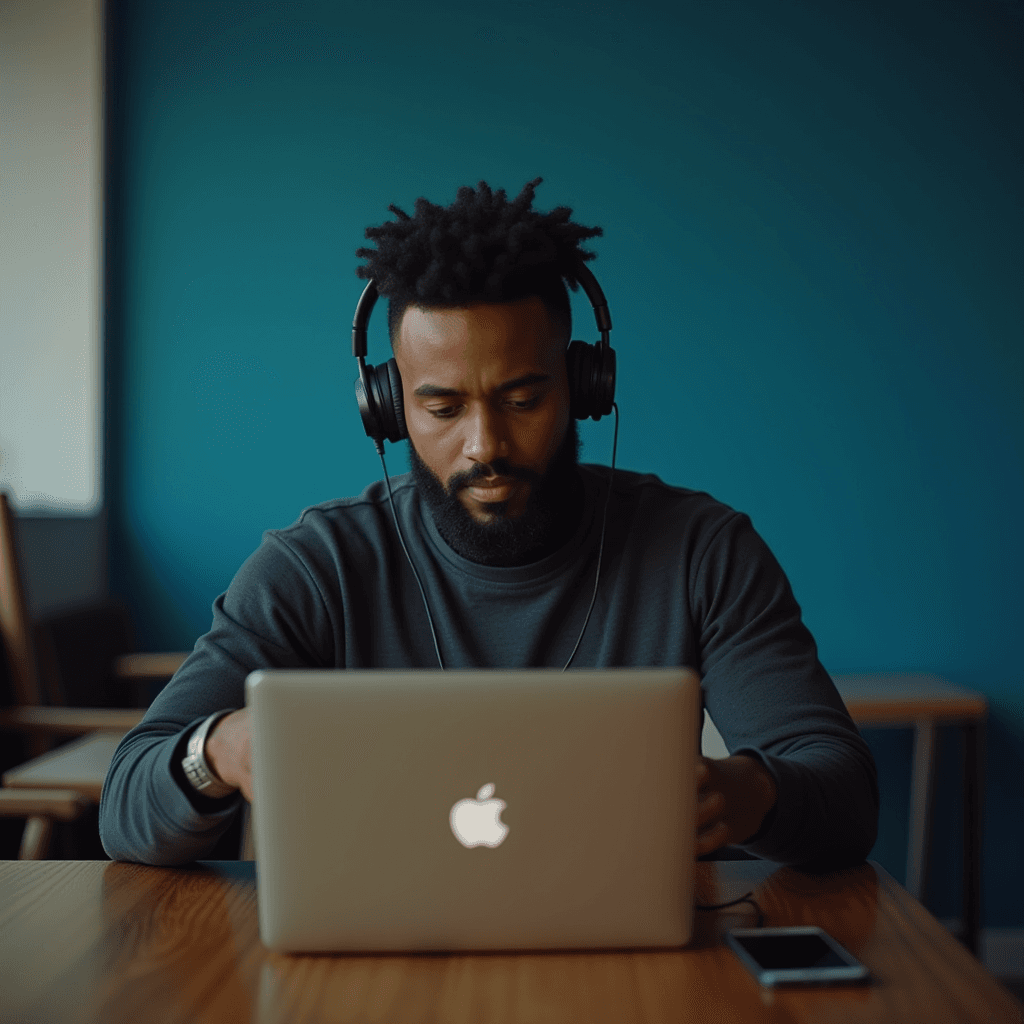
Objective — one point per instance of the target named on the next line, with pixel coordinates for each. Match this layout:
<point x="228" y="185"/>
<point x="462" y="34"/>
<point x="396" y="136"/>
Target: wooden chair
<point x="40" y="808"/>
<point x="78" y="767"/>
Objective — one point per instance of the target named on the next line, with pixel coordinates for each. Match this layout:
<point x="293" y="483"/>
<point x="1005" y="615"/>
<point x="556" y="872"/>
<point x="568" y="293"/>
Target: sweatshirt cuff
<point x="193" y="822"/>
<point x="204" y="804"/>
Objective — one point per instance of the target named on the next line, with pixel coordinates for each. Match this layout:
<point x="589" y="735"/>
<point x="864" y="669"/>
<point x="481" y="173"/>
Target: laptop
<point x="401" y="811"/>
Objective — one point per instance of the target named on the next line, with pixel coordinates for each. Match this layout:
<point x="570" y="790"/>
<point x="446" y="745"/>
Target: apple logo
<point x="478" y="822"/>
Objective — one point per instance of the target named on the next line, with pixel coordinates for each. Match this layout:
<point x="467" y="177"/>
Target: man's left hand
<point x="734" y="794"/>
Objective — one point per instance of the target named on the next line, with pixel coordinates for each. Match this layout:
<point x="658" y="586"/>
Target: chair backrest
<point x="15" y="627"/>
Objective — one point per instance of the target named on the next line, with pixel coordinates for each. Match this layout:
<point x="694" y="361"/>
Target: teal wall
<point x="812" y="254"/>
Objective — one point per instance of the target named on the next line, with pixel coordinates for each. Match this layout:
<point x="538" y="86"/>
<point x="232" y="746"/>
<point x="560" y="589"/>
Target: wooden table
<point x="912" y="700"/>
<point x="84" y="941"/>
<point x="923" y="703"/>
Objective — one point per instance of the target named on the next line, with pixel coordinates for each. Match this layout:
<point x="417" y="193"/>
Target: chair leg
<point x="35" y="840"/>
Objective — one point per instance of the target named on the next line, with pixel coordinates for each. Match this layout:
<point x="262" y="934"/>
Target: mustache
<point x="481" y="471"/>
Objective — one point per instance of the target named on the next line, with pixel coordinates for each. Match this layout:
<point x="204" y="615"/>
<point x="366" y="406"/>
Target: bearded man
<point x="500" y="550"/>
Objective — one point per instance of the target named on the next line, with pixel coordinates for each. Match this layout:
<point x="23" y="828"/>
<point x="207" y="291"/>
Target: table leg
<point x="974" y="757"/>
<point x="922" y="787"/>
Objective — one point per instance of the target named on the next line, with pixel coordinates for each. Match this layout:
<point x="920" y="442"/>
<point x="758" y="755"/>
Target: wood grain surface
<point x="94" y="941"/>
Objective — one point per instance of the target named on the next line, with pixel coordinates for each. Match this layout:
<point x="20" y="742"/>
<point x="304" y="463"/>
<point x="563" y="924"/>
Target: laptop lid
<point x="500" y="809"/>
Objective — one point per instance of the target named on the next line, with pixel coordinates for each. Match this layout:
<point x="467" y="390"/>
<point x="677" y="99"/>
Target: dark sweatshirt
<point x="685" y="581"/>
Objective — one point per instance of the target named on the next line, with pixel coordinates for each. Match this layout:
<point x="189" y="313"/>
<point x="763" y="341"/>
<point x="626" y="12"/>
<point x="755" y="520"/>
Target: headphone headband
<point x="597" y="300"/>
<point x="362" y="318"/>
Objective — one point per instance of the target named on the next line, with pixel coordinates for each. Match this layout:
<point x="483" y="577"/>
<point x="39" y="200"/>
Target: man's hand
<point x="733" y="796"/>
<point x="229" y="751"/>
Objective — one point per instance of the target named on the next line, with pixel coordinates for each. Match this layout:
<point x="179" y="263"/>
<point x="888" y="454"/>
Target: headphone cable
<point x="600" y="548"/>
<point x="412" y="565"/>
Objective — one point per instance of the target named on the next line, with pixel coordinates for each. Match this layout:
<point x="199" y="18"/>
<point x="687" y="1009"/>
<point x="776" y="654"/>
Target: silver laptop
<point x="474" y="810"/>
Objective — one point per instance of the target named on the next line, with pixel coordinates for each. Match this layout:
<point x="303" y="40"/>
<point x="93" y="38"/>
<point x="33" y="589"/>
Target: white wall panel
<point x="51" y="150"/>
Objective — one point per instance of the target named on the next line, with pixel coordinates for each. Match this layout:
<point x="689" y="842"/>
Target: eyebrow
<point x="436" y="391"/>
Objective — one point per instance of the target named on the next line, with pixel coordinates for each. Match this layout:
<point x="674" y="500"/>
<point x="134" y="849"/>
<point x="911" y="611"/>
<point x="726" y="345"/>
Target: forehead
<point x="508" y="333"/>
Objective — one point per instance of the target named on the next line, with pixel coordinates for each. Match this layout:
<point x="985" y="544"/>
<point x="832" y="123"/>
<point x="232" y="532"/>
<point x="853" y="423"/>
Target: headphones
<point x="591" y="370"/>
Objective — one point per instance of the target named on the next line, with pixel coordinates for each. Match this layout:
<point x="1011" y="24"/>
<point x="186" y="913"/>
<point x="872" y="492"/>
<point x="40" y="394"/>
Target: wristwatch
<point x="197" y="771"/>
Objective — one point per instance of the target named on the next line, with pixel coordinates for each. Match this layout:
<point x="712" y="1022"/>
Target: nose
<point x="485" y="439"/>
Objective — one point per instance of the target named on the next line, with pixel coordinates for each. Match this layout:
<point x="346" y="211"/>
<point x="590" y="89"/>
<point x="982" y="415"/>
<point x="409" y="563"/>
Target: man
<point x="505" y="532"/>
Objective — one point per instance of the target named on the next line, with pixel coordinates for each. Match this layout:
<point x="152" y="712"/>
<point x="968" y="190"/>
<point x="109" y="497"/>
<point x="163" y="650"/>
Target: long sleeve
<point x="271" y="616"/>
<point x="769" y="695"/>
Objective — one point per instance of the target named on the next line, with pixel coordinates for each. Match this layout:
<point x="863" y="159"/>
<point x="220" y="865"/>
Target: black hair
<point x="481" y="248"/>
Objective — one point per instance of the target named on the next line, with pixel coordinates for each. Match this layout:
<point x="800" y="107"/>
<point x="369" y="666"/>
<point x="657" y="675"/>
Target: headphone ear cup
<point x="386" y="385"/>
<point x="382" y="404"/>
<point x="396" y="406"/>
<point x="577" y="361"/>
<point x="367" y="407"/>
<point x="604" y="390"/>
<point x="591" y="372"/>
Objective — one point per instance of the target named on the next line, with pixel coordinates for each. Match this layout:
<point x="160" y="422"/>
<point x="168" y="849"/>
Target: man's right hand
<point x="229" y="751"/>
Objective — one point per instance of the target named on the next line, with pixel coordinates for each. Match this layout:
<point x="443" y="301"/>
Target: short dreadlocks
<point x="482" y="248"/>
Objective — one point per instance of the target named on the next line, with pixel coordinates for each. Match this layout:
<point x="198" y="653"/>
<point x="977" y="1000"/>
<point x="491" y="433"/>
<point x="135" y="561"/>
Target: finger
<point x="708" y="830"/>
<point x="709" y="806"/>
<point x="709" y="844"/>
<point x="711" y="839"/>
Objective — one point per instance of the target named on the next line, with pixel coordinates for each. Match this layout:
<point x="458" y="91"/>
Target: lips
<point x="492" y="489"/>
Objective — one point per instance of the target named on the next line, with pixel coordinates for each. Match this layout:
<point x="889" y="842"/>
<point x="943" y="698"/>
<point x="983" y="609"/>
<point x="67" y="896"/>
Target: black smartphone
<point x="799" y="955"/>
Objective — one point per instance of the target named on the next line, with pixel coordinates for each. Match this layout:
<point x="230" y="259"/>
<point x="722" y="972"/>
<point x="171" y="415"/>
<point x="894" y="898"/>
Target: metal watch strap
<point x="197" y="771"/>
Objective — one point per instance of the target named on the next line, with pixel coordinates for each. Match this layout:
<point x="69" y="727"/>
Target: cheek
<point x="540" y="439"/>
<point x="437" y="448"/>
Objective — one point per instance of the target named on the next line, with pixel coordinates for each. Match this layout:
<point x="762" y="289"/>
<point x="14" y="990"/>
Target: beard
<point x="552" y="511"/>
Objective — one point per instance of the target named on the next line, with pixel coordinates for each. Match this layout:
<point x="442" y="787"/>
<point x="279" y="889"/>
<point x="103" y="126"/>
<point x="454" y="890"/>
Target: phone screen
<point x="790" y="952"/>
<point x="798" y="955"/>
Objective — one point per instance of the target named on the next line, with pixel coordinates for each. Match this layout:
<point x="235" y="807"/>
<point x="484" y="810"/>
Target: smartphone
<point x="800" y="955"/>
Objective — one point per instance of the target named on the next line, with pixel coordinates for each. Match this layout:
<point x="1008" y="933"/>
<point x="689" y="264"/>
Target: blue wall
<point x="812" y="254"/>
